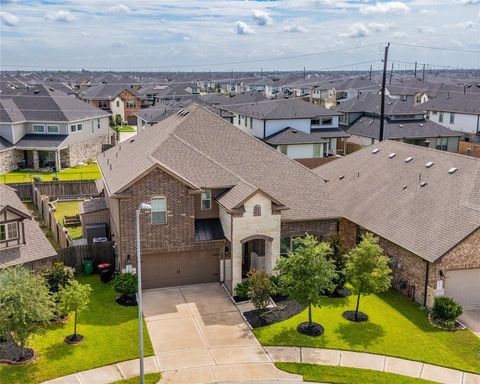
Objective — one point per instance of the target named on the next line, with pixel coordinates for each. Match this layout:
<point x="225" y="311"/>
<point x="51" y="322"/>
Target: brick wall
<point x="322" y="229"/>
<point x="127" y="96"/>
<point x="347" y="231"/>
<point x="176" y="234"/>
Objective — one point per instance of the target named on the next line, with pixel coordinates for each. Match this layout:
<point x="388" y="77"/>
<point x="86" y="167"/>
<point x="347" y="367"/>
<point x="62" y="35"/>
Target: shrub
<point x="276" y="289"/>
<point x="241" y="291"/>
<point x="259" y="288"/>
<point x="58" y="277"/>
<point x="446" y="310"/>
<point x="125" y="284"/>
<point x="339" y="257"/>
<point x="55" y="178"/>
<point x="37" y="179"/>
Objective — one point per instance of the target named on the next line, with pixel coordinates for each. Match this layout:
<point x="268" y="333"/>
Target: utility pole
<point x="382" y="105"/>
<point x="415" y="72"/>
<point x="423" y="73"/>
<point x="391" y="74"/>
<point x="261" y="72"/>
<point x="304" y="73"/>
<point x="370" y="72"/>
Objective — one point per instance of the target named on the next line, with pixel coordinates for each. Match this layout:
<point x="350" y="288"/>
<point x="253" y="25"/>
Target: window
<point x="98" y="123"/>
<point x="130" y="103"/>
<point x="285" y="245"/>
<point x="206" y="200"/>
<point x="327" y="121"/>
<point x="53" y="129"/>
<point x="76" y="127"/>
<point x="452" y="118"/>
<point x="418" y="99"/>
<point x="257" y="210"/>
<point x="8" y="231"/>
<point x="440" y="117"/>
<point x="317" y="150"/>
<point x="118" y="103"/>
<point x="441" y="143"/>
<point x="239" y="120"/>
<point x="159" y="210"/>
<point x="428" y="115"/>
<point x="283" y="149"/>
<point x="245" y="121"/>
<point x="434" y="112"/>
<point x="315" y="122"/>
<point x="103" y="104"/>
<point x="251" y="122"/>
<point x="38" y="128"/>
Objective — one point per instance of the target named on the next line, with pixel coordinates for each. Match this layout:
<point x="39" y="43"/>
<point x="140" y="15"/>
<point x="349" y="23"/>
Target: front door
<point x="246" y="259"/>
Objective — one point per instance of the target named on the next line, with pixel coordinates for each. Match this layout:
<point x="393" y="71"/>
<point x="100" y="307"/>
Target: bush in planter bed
<point x="445" y="310"/>
<point x="259" y="288"/>
<point x="125" y="284"/>
<point x="241" y="291"/>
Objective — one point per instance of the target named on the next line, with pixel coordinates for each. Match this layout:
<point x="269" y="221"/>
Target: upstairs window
<point x="38" y="128"/>
<point x="53" y="129"/>
<point x="159" y="210"/>
<point x="118" y="103"/>
<point x="315" y="122"/>
<point x="327" y="121"/>
<point x="98" y="123"/>
<point x="76" y="127"/>
<point x="8" y="231"/>
<point x="452" y="118"/>
<point x="206" y="200"/>
<point x="440" y="117"/>
<point x="257" y="210"/>
<point x="103" y="104"/>
<point x="130" y="103"/>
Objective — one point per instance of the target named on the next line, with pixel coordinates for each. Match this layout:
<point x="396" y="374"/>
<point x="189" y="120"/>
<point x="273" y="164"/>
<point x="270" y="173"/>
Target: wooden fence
<point x="470" y="149"/>
<point x="56" y="189"/>
<point x="75" y="256"/>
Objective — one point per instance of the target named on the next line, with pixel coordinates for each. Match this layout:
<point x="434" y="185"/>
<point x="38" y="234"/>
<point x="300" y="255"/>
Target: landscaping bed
<point x="66" y="209"/>
<point x="11" y="353"/>
<point x="283" y="311"/>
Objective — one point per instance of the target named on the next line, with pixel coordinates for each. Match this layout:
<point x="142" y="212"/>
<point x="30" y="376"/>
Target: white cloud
<point x="356" y="31"/>
<point x="119" y="44"/>
<point x="466" y="24"/>
<point x="62" y="16"/>
<point x="399" y="35"/>
<point x="426" y="29"/>
<point x="9" y="19"/>
<point x="382" y="8"/>
<point x="429" y="12"/>
<point x="380" y="27"/>
<point x="294" y="28"/>
<point x="262" y="18"/>
<point x="84" y="34"/>
<point x="242" y="28"/>
<point x="119" y="8"/>
<point x="469" y="2"/>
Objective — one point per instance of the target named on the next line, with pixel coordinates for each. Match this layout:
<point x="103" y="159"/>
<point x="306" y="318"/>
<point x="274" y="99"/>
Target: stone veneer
<point x="86" y="150"/>
<point x="9" y="160"/>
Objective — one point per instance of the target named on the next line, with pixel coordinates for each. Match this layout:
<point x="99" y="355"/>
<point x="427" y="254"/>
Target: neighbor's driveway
<point x="199" y="336"/>
<point x="471" y="319"/>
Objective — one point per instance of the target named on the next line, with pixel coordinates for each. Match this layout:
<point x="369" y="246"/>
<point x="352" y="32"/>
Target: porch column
<point x="272" y="254"/>
<point x="36" y="162"/>
<point x="58" y="164"/>
<point x="236" y="264"/>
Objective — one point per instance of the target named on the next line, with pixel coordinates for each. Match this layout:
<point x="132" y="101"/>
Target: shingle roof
<point x="208" y="152"/>
<point x="93" y="205"/>
<point x="239" y="98"/>
<point x="294" y="136"/>
<point x="383" y="195"/>
<point x="106" y="91"/>
<point x="31" y="140"/>
<point x="454" y="102"/>
<point x="37" y="246"/>
<point x="369" y="126"/>
<point x="370" y="103"/>
<point x="281" y="109"/>
<point x="208" y="230"/>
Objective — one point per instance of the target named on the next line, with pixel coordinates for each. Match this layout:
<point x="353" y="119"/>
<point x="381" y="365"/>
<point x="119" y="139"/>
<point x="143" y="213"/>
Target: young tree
<point x="75" y="297"/>
<point x="368" y="269"/>
<point x="308" y="272"/>
<point x="259" y="288"/>
<point x="24" y="302"/>
<point x="339" y="257"/>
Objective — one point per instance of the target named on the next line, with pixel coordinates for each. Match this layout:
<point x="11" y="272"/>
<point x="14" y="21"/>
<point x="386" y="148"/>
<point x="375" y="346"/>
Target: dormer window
<point x="8" y="231"/>
<point x="206" y="200"/>
<point x="257" y="210"/>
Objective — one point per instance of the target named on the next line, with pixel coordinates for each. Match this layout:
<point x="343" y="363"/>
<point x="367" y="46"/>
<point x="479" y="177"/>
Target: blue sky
<point x="204" y="34"/>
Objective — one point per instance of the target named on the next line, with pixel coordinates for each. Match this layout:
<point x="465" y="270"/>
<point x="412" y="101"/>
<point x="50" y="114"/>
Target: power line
<point x="438" y="48"/>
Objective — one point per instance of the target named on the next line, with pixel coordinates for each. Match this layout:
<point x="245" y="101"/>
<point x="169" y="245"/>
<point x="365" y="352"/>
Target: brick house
<point x="424" y="206"/>
<point x="222" y="201"/>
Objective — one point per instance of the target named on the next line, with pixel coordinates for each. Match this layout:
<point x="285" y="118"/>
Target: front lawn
<point x="111" y="335"/>
<point x="123" y="128"/>
<point x="68" y="208"/>
<point x="343" y="375"/>
<point x="396" y="327"/>
<point x="150" y="378"/>
<point x="84" y="172"/>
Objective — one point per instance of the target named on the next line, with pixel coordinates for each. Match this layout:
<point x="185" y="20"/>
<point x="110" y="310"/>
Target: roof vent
<point x="421" y="125"/>
<point x="404" y="187"/>
<point x="131" y="141"/>
<point x="294" y="131"/>
<point x="423" y="183"/>
<point x="376" y="150"/>
<point x="400" y="125"/>
<point x="429" y="164"/>
<point x="408" y="159"/>
<point x="341" y="177"/>
<point x="392" y="155"/>
<point x="180" y="111"/>
<point x="452" y="170"/>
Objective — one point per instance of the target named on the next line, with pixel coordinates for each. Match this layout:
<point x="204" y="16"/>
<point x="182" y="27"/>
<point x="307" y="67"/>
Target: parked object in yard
<point x="97" y="240"/>
<point x="87" y="267"/>
<point x="106" y="272"/>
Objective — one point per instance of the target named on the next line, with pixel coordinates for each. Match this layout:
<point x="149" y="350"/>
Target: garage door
<point x="180" y="268"/>
<point x="463" y="286"/>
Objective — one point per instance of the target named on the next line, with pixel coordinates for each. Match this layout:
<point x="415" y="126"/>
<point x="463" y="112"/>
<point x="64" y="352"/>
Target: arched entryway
<point x="256" y="250"/>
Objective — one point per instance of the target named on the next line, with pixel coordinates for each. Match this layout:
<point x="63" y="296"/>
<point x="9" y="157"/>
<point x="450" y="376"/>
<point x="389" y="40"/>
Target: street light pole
<point x="145" y="207"/>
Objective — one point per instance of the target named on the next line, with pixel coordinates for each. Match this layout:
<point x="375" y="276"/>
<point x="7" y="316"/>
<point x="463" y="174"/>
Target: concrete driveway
<point x="199" y="336"/>
<point x="471" y="319"/>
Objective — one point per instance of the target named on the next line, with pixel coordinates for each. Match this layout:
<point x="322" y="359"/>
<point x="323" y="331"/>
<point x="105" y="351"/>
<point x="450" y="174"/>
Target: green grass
<point x="111" y="335"/>
<point x="68" y="208"/>
<point x="343" y="375"/>
<point x="396" y="327"/>
<point x="150" y="378"/>
<point x="124" y="128"/>
<point x="85" y="172"/>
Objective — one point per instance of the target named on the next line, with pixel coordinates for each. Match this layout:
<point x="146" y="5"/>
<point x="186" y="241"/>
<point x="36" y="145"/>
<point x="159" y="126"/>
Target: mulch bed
<point x="350" y="316"/>
<point x="11" y="353"/>
<point x="283" y="311"/>
<point x="438" y="324"/>
<point x="126" y="301"/>
<point x="239" y="299"/>
<point x="308" y="329"/>
<point x="73" y="339"/>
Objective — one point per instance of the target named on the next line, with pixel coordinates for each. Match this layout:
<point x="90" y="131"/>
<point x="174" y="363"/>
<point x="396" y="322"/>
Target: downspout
<point x="264" y="129"/>
<point x="427" y="272"/>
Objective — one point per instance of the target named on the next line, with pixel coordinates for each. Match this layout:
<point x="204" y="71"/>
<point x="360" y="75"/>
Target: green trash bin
<point x="87" y="267"/>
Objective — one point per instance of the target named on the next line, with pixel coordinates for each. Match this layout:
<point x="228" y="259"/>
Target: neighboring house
<point x="295" y="127"/>
<point x="222" y="202"/>
<point x="457" y="111"/>
<point x="403" y="122"/>
<point x="45" y="128"/>
<point x="21" y="239"/>
<point x="174" y="92"/>
<point x="425" y="207"/>
<point x="118" y="99"/>
<point x="263" y="84"/>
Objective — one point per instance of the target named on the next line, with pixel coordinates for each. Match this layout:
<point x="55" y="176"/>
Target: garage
<point x="180" y="268"/>
<point x="463" y="285"/>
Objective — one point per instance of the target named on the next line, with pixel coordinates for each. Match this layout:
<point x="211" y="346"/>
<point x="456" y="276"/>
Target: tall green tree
<point x="308" y="272"/>
<point x="368" y="269"/>
<point x="338" y="255"/>
<point x="75" y="297"/>
<point x="24" y="302"/>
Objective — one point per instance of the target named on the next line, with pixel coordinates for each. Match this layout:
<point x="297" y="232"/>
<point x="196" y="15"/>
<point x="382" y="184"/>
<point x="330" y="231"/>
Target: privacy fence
<point x="56" y="189"/>
<point x="470" y="149"/>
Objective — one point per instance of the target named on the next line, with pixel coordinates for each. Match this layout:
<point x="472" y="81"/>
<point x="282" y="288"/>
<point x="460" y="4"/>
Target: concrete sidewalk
<point x="370" y="361"/>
